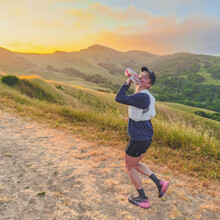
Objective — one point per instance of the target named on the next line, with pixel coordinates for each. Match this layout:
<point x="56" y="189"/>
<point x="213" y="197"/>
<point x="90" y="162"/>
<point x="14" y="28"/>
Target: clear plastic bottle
<point x="130" y="73"/>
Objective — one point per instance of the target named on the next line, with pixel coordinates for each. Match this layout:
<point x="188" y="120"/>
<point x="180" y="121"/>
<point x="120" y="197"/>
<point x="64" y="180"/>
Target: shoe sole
<point x="164" y="189"/>
<point x="138" y="204"/>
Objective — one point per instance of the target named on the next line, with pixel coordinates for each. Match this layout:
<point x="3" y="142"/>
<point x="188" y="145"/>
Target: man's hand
<point x="128" y="81"/>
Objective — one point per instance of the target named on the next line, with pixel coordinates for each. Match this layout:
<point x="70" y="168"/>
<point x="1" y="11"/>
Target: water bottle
<point x="134" y="77"/>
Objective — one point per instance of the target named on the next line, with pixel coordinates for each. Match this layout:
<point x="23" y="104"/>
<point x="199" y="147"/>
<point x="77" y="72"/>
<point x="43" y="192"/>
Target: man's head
<point x="151" y="74"/>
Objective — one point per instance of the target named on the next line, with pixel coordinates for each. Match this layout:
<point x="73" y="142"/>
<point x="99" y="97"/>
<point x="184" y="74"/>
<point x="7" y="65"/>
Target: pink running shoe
<point x="163" y="188"/>
<point x="143" y="203"/>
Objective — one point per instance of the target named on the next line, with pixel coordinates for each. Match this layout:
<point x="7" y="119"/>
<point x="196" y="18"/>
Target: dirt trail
<point x="51" y="174"/>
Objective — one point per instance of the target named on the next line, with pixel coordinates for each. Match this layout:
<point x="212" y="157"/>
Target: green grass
<point x="186" y="113"/>
<point x="185" y="108"/>
<point x="182" y="140"/>
<point x="68" y="80"/>
<point x="209" y="80"/>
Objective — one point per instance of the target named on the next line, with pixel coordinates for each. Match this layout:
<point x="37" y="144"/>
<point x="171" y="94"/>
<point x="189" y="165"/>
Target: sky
<point x="156" y="26"/>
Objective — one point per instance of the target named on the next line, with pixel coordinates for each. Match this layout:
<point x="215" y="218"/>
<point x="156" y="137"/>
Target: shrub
<point x="213" y="116"/>
<point x="10" y="80"/>
<point x="59" y="87"/>
<point x="196" y="78"/>
<point x="39" y="89"/>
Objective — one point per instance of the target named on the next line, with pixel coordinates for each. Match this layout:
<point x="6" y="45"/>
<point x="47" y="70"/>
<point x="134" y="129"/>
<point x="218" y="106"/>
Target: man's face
<point x="145" y="80"/>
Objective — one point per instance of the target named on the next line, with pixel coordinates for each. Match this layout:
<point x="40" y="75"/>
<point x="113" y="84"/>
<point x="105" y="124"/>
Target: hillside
<point x="96" y="57"/>
<point x="105" y="59"/>
<point x="184" y="78"/>
<point x="12" y="63"/>
<point x="95" y="60"/>
<point x="188" y="142"/>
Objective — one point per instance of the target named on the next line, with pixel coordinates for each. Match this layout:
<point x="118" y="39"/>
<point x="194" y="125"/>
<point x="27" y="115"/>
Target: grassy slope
<point x="180" y="142"/>
<point x="209" y="80"/>
<point x="108" y="63"/>
<point x="185" y="108"/>
<point x="85" y="62"/>
<point x="10" y="62"/>
<point x="187" y="114"/>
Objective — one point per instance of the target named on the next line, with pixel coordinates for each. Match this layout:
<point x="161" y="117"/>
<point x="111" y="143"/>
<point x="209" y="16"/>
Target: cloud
<point x="197" y="35"/>
<point x="69" y="23"/>
<point x="99" y="17"/>
<point x="180" y="8"/>
<point x="119" y="14"/>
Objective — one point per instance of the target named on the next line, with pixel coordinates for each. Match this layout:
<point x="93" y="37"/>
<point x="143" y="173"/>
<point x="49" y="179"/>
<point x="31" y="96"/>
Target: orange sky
<point x="159" y="26"/>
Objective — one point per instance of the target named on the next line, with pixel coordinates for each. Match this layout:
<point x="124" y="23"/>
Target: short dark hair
<point x="151" y="73"/>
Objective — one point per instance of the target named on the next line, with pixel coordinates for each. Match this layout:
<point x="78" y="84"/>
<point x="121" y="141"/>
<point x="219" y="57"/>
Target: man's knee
<point x="129" y="166"/>
<point x="130" y="162"/>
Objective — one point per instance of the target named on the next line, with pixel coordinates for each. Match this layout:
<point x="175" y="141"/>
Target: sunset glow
<point x="156" y="26"/>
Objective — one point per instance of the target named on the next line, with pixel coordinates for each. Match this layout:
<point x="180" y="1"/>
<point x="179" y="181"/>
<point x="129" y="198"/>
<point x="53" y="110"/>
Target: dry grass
<point x="111" y="183"/>
<point x="106" y="170"/>
<point x="182" y="196"/>
<point x="174" y="213"/>
<point x="198" y="216"/>
<point x="4" y="200"/>
<point x="177" y="143"/>
<point x="58" y="194"/>
<point x="213" y="207"/>
<point x="29" y="77"/>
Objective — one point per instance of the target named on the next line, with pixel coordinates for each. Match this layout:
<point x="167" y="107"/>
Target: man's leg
<point x="142" y="200"/>
<point x="130" y="164"/>
<point x="143" y="169"/>
<point x="161" y="185"/>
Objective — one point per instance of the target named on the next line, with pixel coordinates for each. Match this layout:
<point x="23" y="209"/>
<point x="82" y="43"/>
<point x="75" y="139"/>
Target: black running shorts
<point x="136" y="148"/>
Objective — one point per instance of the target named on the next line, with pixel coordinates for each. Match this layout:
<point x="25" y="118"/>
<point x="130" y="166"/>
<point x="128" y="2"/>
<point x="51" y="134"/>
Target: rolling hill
<point x="92" y="58"/>
<point x="98" y="54"/>
<point x="107" y="62"/>
<point x="97" y="59"/>
<point x="185" y="78"/>
<point x="11" y="62"/>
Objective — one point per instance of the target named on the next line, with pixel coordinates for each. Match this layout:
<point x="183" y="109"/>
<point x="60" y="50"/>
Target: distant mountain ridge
<point x="106" y="62"/>
<point x="190" y="79"/>
<point x="91" y="59"/>
<point x="97" y="58"/>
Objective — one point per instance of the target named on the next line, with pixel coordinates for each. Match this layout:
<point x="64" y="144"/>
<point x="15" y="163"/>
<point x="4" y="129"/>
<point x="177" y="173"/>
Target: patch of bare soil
<point x="51" y="174"/>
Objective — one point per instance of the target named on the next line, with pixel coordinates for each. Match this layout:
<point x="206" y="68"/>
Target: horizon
<point x="109" y="48"/>
<point x="157" y="26"/>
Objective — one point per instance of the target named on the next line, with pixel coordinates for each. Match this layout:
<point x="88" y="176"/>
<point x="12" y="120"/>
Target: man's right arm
<point x="139" y="100"/>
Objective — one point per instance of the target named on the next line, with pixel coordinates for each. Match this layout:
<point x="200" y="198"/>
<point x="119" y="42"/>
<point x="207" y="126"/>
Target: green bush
<point x="10" y="80"/>
<point x="214" y="116"/>
<point x="188" y="90"/>
<point x="59" y="87"/>
<point x="36" y="88"/>
<point x="215" y="71"/>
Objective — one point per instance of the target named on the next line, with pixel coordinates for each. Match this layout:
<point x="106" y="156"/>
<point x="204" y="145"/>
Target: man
<point x="140" y="130"/>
